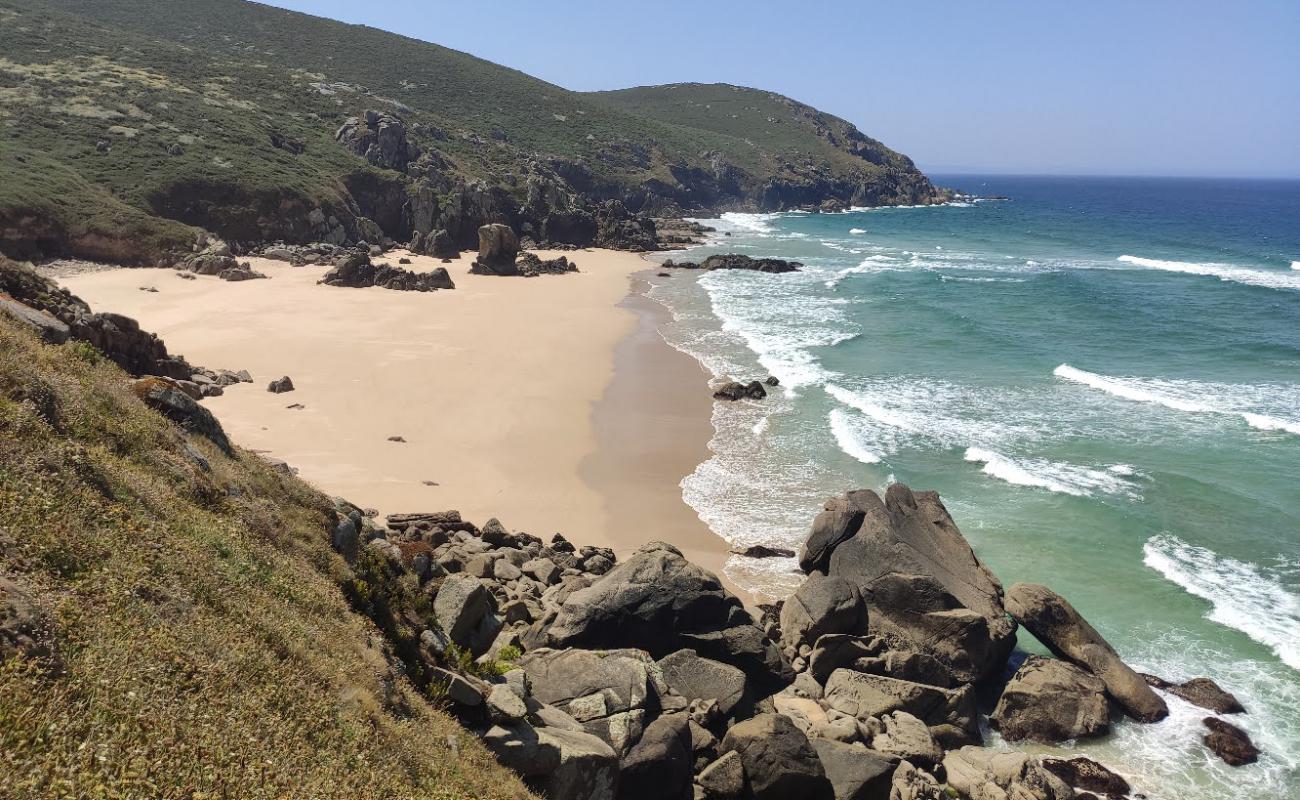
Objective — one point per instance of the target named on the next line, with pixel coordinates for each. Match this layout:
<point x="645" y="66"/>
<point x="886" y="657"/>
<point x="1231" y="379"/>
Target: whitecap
<point x="1056" y="477"/>
<point x="1295" y="265"/>
<point x="1243" y="596"/>
<point x="1187" y="396"/>
<point x="847" y="438"/>
<point x="1224" y="272"/>
<point x="860" y="231"/>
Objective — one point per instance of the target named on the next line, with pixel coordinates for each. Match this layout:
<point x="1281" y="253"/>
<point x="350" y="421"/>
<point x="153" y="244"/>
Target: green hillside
<point x="222" y="114"/>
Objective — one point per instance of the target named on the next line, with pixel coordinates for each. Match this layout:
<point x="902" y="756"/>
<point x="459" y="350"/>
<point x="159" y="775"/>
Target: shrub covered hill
<point x="127" y="126"/>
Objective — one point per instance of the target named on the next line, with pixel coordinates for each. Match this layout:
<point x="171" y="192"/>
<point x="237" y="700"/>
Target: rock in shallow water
<point x="1049" y="700"/>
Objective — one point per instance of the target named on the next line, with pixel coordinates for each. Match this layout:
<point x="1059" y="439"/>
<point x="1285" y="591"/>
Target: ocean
<point x="1101" y="376"/>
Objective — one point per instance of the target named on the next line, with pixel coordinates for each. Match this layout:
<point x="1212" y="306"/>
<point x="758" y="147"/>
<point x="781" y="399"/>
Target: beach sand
<point x="550" y="403"/>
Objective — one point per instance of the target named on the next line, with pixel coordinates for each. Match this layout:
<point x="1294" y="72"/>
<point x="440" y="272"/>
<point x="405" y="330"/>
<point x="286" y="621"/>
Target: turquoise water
<point x="1102" y="379"/>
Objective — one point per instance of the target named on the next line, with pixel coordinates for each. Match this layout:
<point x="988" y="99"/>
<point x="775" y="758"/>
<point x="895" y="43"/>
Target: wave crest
<point x="1224" y="272"/>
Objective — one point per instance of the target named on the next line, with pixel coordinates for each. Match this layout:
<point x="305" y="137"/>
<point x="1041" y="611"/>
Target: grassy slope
<point x="211" y="80"/>
<point x="756" y="120"/>
<point x="207" y="650"/>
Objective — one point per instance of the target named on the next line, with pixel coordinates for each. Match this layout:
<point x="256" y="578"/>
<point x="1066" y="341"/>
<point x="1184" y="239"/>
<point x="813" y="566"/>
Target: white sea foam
<point x="1224" y="272"/>
<point x="860" y="231"/>
<point x="847" y="438"/>
<point x="1243" y="596"/>
<point x="1053" y="476"/>
<point x="1187" y="396"/>
<point x="760" y="427"/>
<point x="1295" y="265"/>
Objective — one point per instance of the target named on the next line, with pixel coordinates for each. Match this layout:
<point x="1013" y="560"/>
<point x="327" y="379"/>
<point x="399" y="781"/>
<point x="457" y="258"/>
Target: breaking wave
<point x="1224" y="272"/>
<point x="1052" y="476"/>
<point x="1243" y="596"/>
<point x="1186" y="396"/>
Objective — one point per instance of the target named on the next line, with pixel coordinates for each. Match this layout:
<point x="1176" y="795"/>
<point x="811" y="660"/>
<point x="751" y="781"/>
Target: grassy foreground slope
<point x="204" y="648"/>
<point x="222" y="113"/>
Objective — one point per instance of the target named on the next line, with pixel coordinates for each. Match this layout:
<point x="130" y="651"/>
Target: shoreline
<point x="518" y="398"/>
<point x="653" y="427"/>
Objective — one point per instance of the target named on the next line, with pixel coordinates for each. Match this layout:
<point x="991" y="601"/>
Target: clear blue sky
<point x="1143" y="87"/>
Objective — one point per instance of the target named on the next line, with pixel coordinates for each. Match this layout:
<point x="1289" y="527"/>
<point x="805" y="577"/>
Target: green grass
<point x="206" y="647"/>
<point x="124" y="115"/>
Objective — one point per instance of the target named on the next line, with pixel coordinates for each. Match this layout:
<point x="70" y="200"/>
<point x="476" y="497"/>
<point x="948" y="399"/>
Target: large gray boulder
<point x="904" y="736"/>
<point x="466" y="612"/>
<point x="51" y="329"/>
<point x="822" y="604"/>
<point x="949" y="713"/>
<point x="981" y="774"/>
<point x="779" y="761"/>
<point x="660" y="602"/>
<point x="723" y="778"/>
<point x="660" y="765"/>
<point x="855" y="772"/>
<point x="609" y="692"/>
<point x="910" y="783"/>
<point x="518" y="747"/>
<point x="915" y="613"/>
<point x="697" y="678"/>
<point x="1055" y="623"/>
<point x="588" y="767"/>
<point x="875" y="543"/>
<point x="1049" y="700"/>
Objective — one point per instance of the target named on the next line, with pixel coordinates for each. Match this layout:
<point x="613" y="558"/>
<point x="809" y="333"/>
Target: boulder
<point x="838" y="521"/>
<point x="1049" y="700"/>
<point x="280" y="385"/>
<point x="822" y="604"/>
<point x="498" y="247"/>
<point x="1229" y="742"/>
<point x="661" y="764"/>
<point x="914" y="613"/>
<point x="505" y="706"/>
<point x="778" y="759"/>
<point x="733" y="390"/>
<point x="724" y="779"/>
<point x="855" y="773"/>
<point x="466" y="611"/>
<point x="587" y="770"/>
<point x="1087" y="775"/>
<point x="518" y="747"/>
<point x="736" y="261"/>
<point x="166" y="397"/>
<point x="905" y="736"/>
<point x="609" y="692"/>
<point x="762" y="551"/>
<point x="910" y="783"/>
<point x="1202" y="692"/>
<point x="659" y="601"/>
<point x="912" y="534"/>
<point x="697" y="678"/>
<point x="836" y="650"/>
<point x="1055" y="623"/>
<point x="949" y="713"/>
<point x="982" y="774"/>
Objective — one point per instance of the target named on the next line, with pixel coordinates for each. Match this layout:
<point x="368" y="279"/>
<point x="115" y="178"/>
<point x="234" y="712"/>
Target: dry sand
<point x="493" y="386"/>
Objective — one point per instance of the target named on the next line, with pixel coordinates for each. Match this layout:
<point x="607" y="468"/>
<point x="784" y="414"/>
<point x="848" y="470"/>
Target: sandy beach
<point x="551" y="403"/>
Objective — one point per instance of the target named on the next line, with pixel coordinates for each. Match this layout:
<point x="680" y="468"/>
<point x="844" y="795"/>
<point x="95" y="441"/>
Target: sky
<point x="1140" y="87"/>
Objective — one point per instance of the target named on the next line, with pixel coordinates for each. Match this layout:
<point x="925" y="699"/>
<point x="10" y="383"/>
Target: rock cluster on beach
<point x="356" y="270"/>
<point x="648" y="678"/>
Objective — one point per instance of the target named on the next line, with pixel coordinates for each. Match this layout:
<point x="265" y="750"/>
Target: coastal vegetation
<point x="128" y="130"/>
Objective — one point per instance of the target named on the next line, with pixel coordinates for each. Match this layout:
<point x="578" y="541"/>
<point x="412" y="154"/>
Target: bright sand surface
<point x="551" y="402"/>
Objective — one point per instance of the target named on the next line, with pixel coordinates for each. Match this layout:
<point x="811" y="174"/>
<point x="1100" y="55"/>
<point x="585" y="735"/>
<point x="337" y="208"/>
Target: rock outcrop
<point x="1199" y="691"/>
<point x="166" y="397"/>
<point x="928" y="592"/>
<point x="1229" y="742"/>
<point x="736" y="261"/>
<point x="498" y="247"/>
<point x="530" y="265"/>
<point x="380" y="138"/>
<point x="1055" y="623"/>
<point x="778" y="759"/>
<point x="355" y="270"/>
